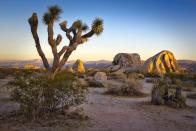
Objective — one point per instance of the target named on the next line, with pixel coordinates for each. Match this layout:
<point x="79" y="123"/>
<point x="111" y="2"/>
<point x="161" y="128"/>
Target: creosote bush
<point x="94" y="83"/>
<point x="39" y="96"/>
<point x="129" y="88"/>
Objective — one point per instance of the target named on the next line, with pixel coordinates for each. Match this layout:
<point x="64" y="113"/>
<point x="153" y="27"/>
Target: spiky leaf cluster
<point x="52" y="15"/>
<point x="78" y="24"/>
<point x="97" y="26"/>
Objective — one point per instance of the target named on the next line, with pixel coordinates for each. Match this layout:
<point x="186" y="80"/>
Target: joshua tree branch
<point x="63" y="26"/>
<point x="50" y="34"/>
<point x="52" y="42"/>
<point x="33" y="22"/>
<point x="89" y="34"/>
<point x="58" y="39"/>
<point x="63" y="50"/>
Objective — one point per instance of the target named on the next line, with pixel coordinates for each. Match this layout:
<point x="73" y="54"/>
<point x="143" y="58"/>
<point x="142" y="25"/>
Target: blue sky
<point x="142" y="26"/>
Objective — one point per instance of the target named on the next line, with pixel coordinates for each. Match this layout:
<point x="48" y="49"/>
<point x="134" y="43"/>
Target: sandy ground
<point x="109" y="113"/>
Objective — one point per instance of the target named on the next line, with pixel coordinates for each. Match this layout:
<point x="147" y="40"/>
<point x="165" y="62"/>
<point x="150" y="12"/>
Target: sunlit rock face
<point x="30" y="66"/>
<point x="79" y="67"/>
<point x="161" y="63"/>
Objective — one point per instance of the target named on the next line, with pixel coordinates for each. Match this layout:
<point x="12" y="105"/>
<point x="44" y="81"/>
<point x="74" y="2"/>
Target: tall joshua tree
<point x="77" y="34"/>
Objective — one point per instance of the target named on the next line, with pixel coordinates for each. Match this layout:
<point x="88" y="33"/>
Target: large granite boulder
<point x="78" y="67"/>
<point x="126" y="59"/>
<point x="123" y="61"/>
<point x="161" y="63"/>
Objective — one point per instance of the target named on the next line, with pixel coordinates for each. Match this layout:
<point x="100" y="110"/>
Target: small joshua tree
<point x="76" y="35"/>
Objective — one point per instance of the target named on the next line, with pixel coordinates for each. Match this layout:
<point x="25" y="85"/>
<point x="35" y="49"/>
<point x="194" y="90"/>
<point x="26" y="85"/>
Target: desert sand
<point x="110" y="113"/>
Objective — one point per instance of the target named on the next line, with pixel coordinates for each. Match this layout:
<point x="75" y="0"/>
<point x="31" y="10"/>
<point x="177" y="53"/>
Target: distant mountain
<point x="189" y="65"/>
<point x="100" y="64"/>
<point x="38" y="62"/>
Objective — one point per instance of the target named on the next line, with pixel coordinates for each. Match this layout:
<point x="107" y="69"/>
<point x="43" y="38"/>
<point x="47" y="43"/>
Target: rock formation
<point x="125" y="60"/>
<point x="78" y="67"/>
<point x="161" y="63"/>
<point x="100" y="76"/>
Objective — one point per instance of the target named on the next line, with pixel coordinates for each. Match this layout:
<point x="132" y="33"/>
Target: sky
<point x="145" y="27"/>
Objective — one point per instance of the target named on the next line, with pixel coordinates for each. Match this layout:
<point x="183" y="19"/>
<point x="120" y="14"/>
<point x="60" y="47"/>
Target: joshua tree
<point x="76" y="35"/>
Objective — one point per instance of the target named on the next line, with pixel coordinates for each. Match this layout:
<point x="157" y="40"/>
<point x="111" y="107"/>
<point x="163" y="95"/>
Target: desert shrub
<point x="117" y="76"/>
<point x="129" y="88"/>
<point x="165" y="93"/>
<point x="134" y="75"/>
<point x="187" y="85"/>
<point x="192" y="95"/>
<point x="2" y="75"/>
<point x="91" y="72"/>
<point x="151" y="75"/>
<point x="182" y="76"/>
<point x="39" y="96"/>
<point x="15" y="72"/>
<point x="149" y="80"/>
<point x="94" y="83"/>
<point x="4" y="72"/>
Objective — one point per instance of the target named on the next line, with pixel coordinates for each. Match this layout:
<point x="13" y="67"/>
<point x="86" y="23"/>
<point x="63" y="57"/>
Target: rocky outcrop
<point x="100" y="76"/>
<point x="126" y="59"/>
<point x="78" y="67"/>
<point x="122" y="61"/>
<point x="161" y="63"/>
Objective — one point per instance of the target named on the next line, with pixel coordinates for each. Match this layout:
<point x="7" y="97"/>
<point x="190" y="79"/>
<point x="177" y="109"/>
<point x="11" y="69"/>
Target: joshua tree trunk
<point x="33" y="21"/>
<point x="74" y="35"/>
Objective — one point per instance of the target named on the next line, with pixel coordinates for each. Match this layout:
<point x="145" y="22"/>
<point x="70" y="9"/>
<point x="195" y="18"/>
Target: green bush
<point x="134" y="74"/>
<point x="152" y="75"/>
<point x="117" y="76"/>
<point x="39" y="96"/>
<point x="94" y="83"/>
<point x="2" y="75"/>
<point x="91" y="72"/>
<point x="129" y="88"/>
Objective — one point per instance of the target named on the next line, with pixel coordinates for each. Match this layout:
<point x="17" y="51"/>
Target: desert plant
<point x="91" y="72"/>
<point x="94" y="83"/>
<point x="117" y="76"/>
<point x="129" y="88"/>
<point x="2" y="75"/>
<point x="39" y="96"/>
<point x="164" y="93"/>
<point x="75" y="35"/>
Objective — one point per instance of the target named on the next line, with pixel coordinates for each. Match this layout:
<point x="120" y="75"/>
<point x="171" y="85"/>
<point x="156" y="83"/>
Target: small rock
<point x="100" y="76"/>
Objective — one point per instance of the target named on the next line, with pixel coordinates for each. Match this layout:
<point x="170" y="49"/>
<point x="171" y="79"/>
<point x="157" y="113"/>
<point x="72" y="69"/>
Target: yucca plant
<point x="76" y="35"/>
